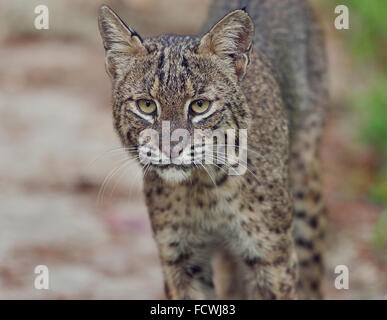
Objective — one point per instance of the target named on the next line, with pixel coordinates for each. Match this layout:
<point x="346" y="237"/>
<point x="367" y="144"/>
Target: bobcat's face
<point x="169" y="91"/>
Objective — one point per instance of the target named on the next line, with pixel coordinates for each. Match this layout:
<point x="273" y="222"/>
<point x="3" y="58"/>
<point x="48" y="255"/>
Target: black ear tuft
<point x="133" y="32"/>
<point x="231" y="40"/>
<point x="119" y="40"/>
<point x="117" y="35"/>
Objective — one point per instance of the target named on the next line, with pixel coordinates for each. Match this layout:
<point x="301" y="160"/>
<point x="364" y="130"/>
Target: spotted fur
<point x="270" y="83"/>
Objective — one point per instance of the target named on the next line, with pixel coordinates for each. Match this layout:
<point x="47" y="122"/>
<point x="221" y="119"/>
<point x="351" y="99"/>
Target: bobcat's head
<point x="173" y="82"/>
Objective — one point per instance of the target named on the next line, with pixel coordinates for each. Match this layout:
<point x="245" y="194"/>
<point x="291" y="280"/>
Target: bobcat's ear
<point x="119" y="40"/>
<point x="231" y="40"/>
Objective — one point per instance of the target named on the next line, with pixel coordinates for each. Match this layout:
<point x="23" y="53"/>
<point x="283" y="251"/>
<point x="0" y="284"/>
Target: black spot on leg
<point x="317" y="258"/>
<point x="252" y="262"/>
<point x="222" y="180"/>
<point x="167" y="291"/>
<point x="299" y="195"/>
<point x="317" y="198"/>
<point x="304" y="263"/>
<point x="300" y="214"/>
<point x="276" y="230"/>
<point x="272" y="296"/>
<point x="206" y="282"/>
<point x="181" y="258"/>
<point x="292" y="271"/>
<point x="193" y="270"/>
<point x="313" y="222"/>
<point x="279" y="261"/>
<point x="314" y="285"/>
<point x="304" y="243"/>
<point x="267" y="294"/>
<point x="174" y="244"/>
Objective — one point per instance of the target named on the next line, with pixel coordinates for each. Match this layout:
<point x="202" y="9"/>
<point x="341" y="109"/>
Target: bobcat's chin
<point x="174" y="174"/>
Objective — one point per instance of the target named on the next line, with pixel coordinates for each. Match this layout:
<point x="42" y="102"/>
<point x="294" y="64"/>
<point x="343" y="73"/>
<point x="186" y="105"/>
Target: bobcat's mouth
<point x="174" y="173"/>
<point x="172" y="165"/>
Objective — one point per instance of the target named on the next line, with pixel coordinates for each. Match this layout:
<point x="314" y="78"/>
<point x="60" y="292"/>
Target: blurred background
<point x="57" y="141"/>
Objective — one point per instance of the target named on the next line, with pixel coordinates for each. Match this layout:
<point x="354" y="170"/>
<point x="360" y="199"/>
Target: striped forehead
<point x="173" y="72"/>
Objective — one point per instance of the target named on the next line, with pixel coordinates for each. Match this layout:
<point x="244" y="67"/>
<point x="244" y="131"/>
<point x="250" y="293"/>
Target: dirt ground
<point x="56" y="142"/>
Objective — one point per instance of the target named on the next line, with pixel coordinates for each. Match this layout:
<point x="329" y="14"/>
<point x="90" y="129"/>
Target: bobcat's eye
<point x="200" y="106"/>
<point x="146" y="106"/>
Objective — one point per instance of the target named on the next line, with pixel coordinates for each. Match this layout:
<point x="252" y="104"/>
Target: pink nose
<point x="177" y="151"/>
<point x="174" y="150"/>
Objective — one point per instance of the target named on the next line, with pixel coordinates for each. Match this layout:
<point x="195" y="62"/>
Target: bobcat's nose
<point x="177" y="150"/>
<point x="174" y="150"/>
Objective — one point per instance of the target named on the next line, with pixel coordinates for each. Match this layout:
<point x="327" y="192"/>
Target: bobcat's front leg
<point x="268" y="254"/>
<point x="186" y="268"/>
<point x="272" y="273"/>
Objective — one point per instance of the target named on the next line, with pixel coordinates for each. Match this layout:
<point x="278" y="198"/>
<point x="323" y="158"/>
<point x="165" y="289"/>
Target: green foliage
<point x="373" y="104"/>
<point x="379" y="239"/>
<point x="378" y="192"/>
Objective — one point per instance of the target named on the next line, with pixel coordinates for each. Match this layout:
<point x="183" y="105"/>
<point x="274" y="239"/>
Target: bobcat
<point x="266" y="226"/>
